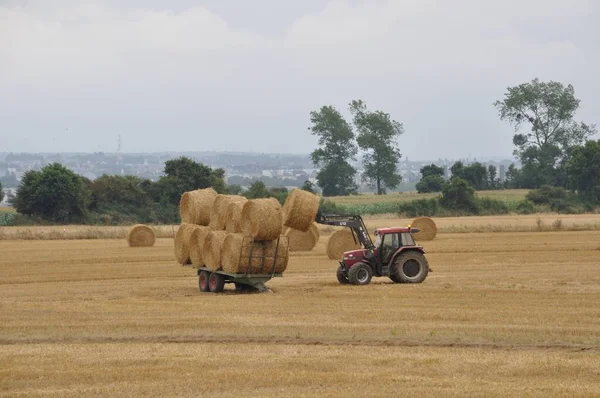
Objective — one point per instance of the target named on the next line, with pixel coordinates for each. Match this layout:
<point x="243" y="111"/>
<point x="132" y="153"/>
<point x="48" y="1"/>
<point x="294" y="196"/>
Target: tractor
<point x="393" y="254"/>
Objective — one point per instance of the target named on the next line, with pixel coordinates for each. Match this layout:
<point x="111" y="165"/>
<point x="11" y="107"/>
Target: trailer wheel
<point x="216" y="282"/>
<point x="410" y="267"/>
<point x="360" y="274"/>
<point x="341" y="277"/>
<point x="203" y="281"/>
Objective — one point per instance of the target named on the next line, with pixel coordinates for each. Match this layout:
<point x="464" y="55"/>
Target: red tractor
<point x="394" y="253"/>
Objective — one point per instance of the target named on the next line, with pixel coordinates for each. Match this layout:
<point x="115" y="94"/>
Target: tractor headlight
<point x="349" y="257"/>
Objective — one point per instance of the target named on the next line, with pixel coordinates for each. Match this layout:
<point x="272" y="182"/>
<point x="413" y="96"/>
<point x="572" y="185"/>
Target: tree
<point x="336" y="150"/>
<point x="583" y="170"/>
<point x="257" y="190"/>
<point x="54" y="193"/>
<point x="1" y="193"/>
<point x="432" y="180"/>
<point x="308" y="186"/>
<point x="475" y="174"/>
<point x="493" y="182"/>
<point x="458" y="195"/>
<point x="234" y="189"/>
<point x="549" y="108"/>
<point x="377" y="135"/>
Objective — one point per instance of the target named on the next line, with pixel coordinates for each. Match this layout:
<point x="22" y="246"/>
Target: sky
<point x="237" y="75"/>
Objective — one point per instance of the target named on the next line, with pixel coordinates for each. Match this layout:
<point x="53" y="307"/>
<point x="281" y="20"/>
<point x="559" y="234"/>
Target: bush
<point x="458" y="195"/>
<point x="420" y="208"/>
<point x="490" y="207"/>
<point x="525" y="207"/>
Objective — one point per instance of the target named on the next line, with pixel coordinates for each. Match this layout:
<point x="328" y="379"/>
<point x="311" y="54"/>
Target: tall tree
<point x="336" y="150"/>
<point x="1" y="193"/>
<point x="54" y="193"/>
<point x="377" y="136"/>
<point x="549" y="108"/>
<point x="583" y="170"/>
<point x="432" y="179"/>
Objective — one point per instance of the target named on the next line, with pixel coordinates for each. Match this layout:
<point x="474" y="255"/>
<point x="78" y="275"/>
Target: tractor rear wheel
<point x="203" y="281"/>
<point x="341" y="276"/>
<point x="360" y="274"/>
<point x="410" y="267"/>
<point x="216" y="282"/>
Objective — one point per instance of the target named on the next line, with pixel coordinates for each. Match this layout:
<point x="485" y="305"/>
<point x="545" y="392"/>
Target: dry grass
<point x="69" y="232"/>
<point x="511" y="195"/>
<point x="502" y="314"/>
<point x="7" y="209"/>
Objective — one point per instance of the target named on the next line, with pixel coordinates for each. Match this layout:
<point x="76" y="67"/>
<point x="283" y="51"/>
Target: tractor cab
<point x="388" y="241"/>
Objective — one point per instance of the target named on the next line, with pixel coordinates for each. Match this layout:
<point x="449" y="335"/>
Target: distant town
<point x="276" y="170"/>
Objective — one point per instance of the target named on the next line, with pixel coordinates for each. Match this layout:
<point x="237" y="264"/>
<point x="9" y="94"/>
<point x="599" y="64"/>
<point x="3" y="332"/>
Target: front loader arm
<point x="354" y="222"/>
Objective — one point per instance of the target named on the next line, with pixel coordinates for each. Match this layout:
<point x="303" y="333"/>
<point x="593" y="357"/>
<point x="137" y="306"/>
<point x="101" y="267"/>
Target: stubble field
<point x="512" y="313"/>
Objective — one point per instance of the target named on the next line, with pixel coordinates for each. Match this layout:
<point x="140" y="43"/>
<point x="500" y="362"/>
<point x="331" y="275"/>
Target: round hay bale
<point x="302" y="241"/>
<point x="212" y="249"/>
<point x="427" y="228"/>
<point x="197" y="245"/>
<point x="262" y="219"/>
<point x="339" y="242"/>
<point x="195" y="206"/>
<point x="218" y="216"/>
<point x="300" y="209"/>
<point x="182" y="242"/>
<point x="141" y="236"/>
<point x="234" y="216"/>
<point x="240" y="254"/>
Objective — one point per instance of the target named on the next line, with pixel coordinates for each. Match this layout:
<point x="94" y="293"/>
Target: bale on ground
<point x="341" y="241"/>
<point x="218" y="216"/>
<point x="212" y="249"/>
<point x="195" y="206"/>
<point x="197" y="245"/>
<point x="262" y="219"/>
<point x="182" y="242"/>
<point x="141" y="236"/>
<point x="300" y="209"/>
<point x="234" y="216"/>
<point x="239" y="254"/>
<point x="427" y="228"/>
<point x="303" y="241"/>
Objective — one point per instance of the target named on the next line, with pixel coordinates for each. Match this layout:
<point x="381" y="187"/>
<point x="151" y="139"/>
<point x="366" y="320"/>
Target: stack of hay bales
<point x="237" y="235"/>
<point x="141" y="236"/>
<point x="299" y="212"/>
<point x="427" y="228"/>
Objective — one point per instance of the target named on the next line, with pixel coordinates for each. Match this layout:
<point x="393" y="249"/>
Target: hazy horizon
<point x="234" y="76"/>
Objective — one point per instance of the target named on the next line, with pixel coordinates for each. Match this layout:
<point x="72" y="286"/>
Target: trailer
<point x="260" y="267"/>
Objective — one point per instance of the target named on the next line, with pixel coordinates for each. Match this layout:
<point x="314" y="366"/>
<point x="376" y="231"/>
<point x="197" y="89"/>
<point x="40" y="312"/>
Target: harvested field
<point x="508" y="314"/>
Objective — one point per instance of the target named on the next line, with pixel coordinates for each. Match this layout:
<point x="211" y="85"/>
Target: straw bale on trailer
<point x="195" y="206"/>
<point x="240" y="254"/>
<point x="303" y="241"/>
<point x="262" y="219"/>
<point x="427" y="228"/>
<point x="197" y="245"/>
<point x="182" y="242"/>
<point x="212" y="249"/>
<point x="341" y="241"/>
<point x="218" y="217"/>
<point x="234" y="216"/>
<point x="300" y="209"/>
<point x="141" y="236"/>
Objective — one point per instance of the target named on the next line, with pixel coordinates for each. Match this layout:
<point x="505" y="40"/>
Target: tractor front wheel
<point x="360" y="274"/>
<point x="341" y="276"/>
<point x="410" y="267"/>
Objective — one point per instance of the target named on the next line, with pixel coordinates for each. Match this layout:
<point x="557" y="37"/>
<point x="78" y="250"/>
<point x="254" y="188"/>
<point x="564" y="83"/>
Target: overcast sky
<point x="242" y="75"/>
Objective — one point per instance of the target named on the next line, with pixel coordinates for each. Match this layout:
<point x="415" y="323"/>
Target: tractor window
<point x="407" y="240"/>
<point x="389" y="247"/>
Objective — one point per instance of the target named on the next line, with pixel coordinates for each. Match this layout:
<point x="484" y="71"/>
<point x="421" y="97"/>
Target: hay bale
<point x="197" y="245"/>
<point x="262" y="219"/>
<point x="300" y="209"/>
<point x="195" y="206"/>
<point x="141" y="236"/>
<point x="182" y="242"/>
<point x="302" y="241"/>
<point x="427" y="227"/>
<point x="339" y="242"/>
<point x="240" y="254"/>
<point x="212" y="249"/>
<point x="218" y="216"/>
<point x="234" y="216"/>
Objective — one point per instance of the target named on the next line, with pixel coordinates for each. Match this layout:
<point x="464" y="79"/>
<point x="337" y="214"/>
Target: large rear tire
<point x="341" y="276"/>
<point x="360" y="274"/>
<point x="410" y="267"/>
<point x="216" y="282"/>
<point x="203" y="281"/>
